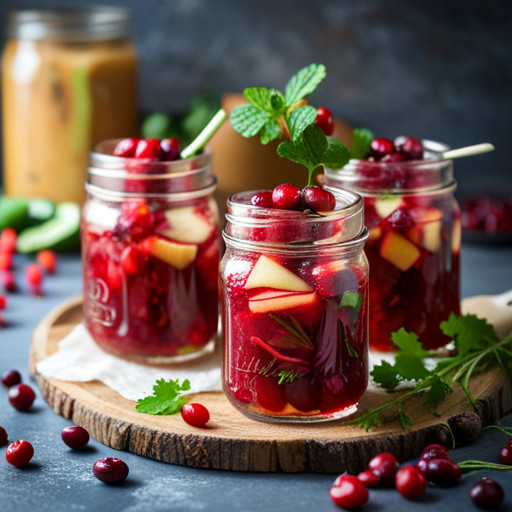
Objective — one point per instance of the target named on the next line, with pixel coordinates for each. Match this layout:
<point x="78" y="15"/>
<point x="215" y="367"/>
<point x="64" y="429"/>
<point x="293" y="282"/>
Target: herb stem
<point x="206" y="134"/>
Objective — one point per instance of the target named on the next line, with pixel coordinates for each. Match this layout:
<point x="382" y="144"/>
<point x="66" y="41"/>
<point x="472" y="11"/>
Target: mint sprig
<point x="361" y="143"/>
<point x="273" y="115"/>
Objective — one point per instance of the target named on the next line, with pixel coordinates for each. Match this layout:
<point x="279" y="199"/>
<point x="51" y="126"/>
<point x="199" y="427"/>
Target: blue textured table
<point x="59" y="479"/>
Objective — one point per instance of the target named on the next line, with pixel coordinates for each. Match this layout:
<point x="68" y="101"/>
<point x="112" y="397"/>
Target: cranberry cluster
<point x="434" y="465"/>
<point x="290" y="197"/>
<point x="485" y="213"/>
<point x="163" y="150"/>
<point x="402" y="149"/>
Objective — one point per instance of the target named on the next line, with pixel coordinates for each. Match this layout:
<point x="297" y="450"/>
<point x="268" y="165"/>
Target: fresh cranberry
<point x="3" y="302"/>
<point x="148" y="148"/>
<point x="8" y="240"/>
<point x="75" y="437"/>
<point x="369" y="478"/>
<point x="386" y="466"/>
<point x="5" y="260"/>
<point x="443" y="472"/>
<point x="9" y="282"/>
<point x="487" y="493"/>
<point x="170" y="149"/>
<point x="126" y="147"/>
<point x="110" y="470"/>
<point x="47" y="260"/>
<point x="286" y="197"/>
<point x="263" y="199"/>
<point x="410" y="147"/>
<point x="21" y="396"/>
<point x="319" y="199"/>
<point x="324" y="120"/>
<point x="506" y="455"/>
<point x="410" y="482"/>
<point x="393" y="158"/>
<point x="381" y="147"/>
<point x="349" y="492"/>
<point x="133" y="261"/>
<point x="434" y="451"/>
<point x="196" y="415"/>
<point x="34" y="275"/>
<point x="3" y="436"/>
<point x="19" y="453"/>
<point x="11" y="377"/>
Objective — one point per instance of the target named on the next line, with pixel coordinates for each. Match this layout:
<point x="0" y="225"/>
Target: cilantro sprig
<point x="165" y="399"/>
<point x="478" y="348"/>
<point x="273" y="115"/>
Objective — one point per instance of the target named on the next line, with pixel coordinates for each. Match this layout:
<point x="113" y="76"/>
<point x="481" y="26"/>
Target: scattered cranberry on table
<point x="3" y="302"/>
<point x="75" y="437"/>
<point x="410" y="482"/>
<point x="369" y="478"/>
<point x="443" y="472"/>
<point x="487" y="493"/>
<point x="11" y="378"/>
<point x="110" y="470"/>
<point x="8" y="282"/>
<point x="386" y="466"/>
<point x="324" y="120"/>
<point x="349" y="492"/>
<point x="8" y="240"/>
<point x="19" y="453"/>
<point x="21" y="396"/>
<point x="5" y="260"/>
<point x="196" y="415"/>
<point x="3" y="436"/>
<point x="506" y="454"/>
<point x="47" y="260"/>
<point x="34" y="276"/>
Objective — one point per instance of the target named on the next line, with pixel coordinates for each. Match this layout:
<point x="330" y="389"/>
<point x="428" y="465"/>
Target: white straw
<point x="477" y="149"/>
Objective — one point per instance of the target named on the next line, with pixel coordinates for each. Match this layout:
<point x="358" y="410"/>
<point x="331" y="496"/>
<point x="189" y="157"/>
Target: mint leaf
<point x="307" y="150"/>
<point x="336" y="154"/>
<point x="361" y="143"/>
<point x="304" y="83"/>
<point x="270" y="132"/>
<point x="259" y="97"/>
<point x="165" y="398"/>
<point x="385" y="375"/>
<point x="248" y="120"/>
<point x="299" y="119"/>
<point x="469" y="332"/>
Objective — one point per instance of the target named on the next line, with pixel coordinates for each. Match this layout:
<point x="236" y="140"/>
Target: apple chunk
<point x="387" y="205"/>
<point x="399" y="251"/>
<point x="266" y="302"/>
<point x="269" y="274"/>
<point x="427" y="230"/>
<point x="177" y="255"/>
<point x="187" y="226"/>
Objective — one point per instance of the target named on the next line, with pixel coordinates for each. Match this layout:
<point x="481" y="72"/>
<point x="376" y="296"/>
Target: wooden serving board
<point x="234" y="442"/>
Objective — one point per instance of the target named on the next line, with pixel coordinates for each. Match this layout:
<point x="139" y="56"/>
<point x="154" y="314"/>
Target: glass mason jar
<point x="68" y="82"/>
<point x="150" y="251"/>
<point x="414" y="243"/>
<point x="295" y="310"/>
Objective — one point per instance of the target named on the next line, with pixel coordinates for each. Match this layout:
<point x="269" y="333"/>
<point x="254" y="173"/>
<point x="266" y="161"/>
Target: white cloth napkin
<point x="80" y="359"/>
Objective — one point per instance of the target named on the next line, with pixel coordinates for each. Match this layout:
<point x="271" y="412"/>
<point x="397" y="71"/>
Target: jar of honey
<point x="68" y="82"/>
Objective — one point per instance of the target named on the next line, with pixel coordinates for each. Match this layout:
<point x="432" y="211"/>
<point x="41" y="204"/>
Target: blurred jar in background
<point x="68" y="82"/>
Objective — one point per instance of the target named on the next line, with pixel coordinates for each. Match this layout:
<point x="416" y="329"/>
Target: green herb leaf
<point x="248" y="120"/>
<point x="361" y="143"/>
<point x="405" y="419"/>
<point x="437" y="394"/>
<point x="299" y="119"/>
<point x="352" y="299"/>
<point x="270" y="132"/>
<point x="166" y="398"/>
<point x="304" y="83"/>
<point x="259" y="97"/>
<point x="385" y="375"/>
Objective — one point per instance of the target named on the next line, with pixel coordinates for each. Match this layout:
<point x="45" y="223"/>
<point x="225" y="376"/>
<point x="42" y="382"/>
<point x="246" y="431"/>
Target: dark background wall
<point x="435" y="69"/>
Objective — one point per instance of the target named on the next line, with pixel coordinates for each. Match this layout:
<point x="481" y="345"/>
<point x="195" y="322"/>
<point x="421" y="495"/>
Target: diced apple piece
<point x="399" y="251"/>
<point x="177" y="255"/>
<point x="456" y="236"/>
<point x="187" y="226"/>
<point x="269" y="274"/>
<point x="427" y="230"/>
<point x="374" y="233"/>
<point x="266" y="302"/>
<point x="387" y="205"/>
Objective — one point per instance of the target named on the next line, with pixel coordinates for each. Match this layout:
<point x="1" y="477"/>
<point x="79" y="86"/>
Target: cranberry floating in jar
<point x="295" y="309"/>
<point x="150" y="245"/>
<point x="414" y="243"/>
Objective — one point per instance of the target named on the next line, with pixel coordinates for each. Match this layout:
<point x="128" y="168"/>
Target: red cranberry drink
<point x="150" y="247"/>
<point x="414" y="243"/>
<point x="295" y="304"/>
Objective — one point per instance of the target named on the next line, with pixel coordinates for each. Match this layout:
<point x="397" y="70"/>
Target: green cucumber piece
<point x="13" y="213"/>
<point x="60" y="233"/>
<point x="40" y="210"/>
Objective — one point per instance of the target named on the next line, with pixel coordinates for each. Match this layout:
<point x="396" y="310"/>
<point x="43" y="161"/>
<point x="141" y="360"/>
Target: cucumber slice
<point x="40" y="210"/>
<point x="13" y="213"/>
<point x="60" y="233"/>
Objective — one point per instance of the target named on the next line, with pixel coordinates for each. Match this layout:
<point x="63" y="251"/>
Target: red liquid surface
<point x="413" y="251"/>
<point x="294" y="353"/>
<point x="163" y="302"/>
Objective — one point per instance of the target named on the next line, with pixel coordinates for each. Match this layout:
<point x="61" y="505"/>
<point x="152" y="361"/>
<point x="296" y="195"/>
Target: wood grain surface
<point x="234" y="442"/>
